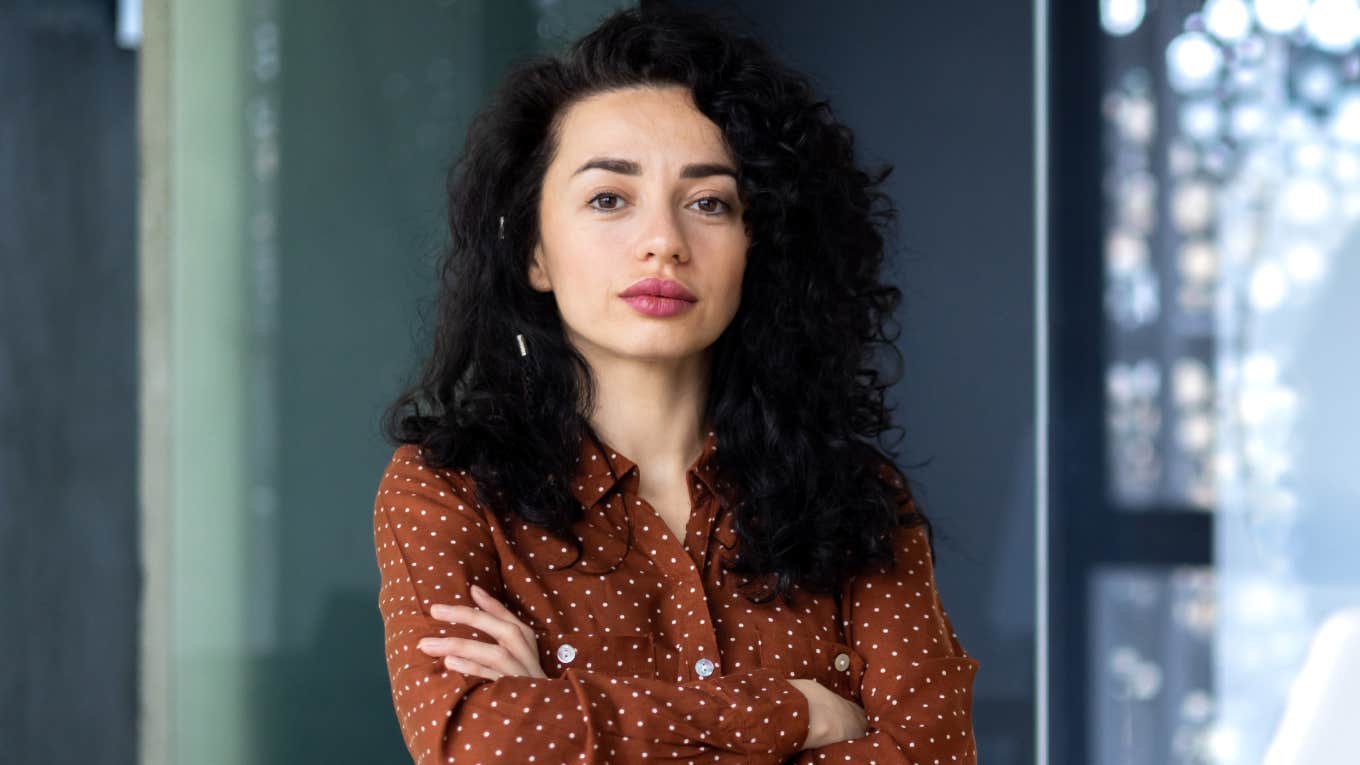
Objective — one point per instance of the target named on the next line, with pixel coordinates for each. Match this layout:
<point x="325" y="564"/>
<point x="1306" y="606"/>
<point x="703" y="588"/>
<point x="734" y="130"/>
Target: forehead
<point x="640" y="123"/>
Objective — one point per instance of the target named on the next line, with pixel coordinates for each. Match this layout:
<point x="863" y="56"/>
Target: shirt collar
<point x="600" y="467"/>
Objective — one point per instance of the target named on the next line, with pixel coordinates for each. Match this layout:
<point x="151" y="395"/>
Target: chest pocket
<point x="624" y="654"/>
<point x="834" y="664"/>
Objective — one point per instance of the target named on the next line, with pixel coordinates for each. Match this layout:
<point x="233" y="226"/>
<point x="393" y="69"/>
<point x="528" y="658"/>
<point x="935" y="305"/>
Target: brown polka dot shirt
<point x="660" y="659"/>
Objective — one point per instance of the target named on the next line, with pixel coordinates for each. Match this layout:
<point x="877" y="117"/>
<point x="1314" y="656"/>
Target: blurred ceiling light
<point x="1306" y="200"/>
<point x="1280" y="16"/>
<point x="1200" y="119"/>
<point x="1317" y="83"/>
<point x="1345" y="167"/>
<point x="1310" y="156"/>
<point x="1345" y="122"/>
<point x="1268" y="286"/>
<point x="1192" y="206"/>
<point x="1304" y="263"/>
<point x="1333" y="25"/>
<point x="1228" y="20"/>
<point x="1121" y="17"/>
<point x="1248" y="120"/>
<point x="1193" y="61"/>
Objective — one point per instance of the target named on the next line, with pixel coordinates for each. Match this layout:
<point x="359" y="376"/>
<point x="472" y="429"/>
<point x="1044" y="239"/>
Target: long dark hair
<point x="797" y="400"/>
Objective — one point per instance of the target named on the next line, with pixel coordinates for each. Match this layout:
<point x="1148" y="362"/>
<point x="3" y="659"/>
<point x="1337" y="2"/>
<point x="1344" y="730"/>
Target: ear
<point x="538" y="273"/>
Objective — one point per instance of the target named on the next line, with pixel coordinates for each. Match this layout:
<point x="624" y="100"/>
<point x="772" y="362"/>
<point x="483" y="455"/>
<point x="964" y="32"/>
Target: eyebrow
<point x="629" y="167"/>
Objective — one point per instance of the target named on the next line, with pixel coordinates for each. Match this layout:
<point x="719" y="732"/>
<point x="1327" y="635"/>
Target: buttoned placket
<point x="684" y="568"/>
<point x="676" y="559"/>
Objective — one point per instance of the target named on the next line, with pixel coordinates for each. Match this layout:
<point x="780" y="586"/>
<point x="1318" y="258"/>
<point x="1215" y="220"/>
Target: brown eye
<point x="605" y="195"/>
<point x="716" y="206"/>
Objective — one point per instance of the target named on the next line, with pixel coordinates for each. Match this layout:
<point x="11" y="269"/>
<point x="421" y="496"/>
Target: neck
<point x="652" y="412"/>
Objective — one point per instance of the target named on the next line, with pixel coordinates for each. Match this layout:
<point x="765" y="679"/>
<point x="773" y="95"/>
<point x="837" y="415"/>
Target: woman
<point x="660" y="245"/>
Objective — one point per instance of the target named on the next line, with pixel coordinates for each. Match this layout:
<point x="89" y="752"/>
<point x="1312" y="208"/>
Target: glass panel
<point x="1151" y="679"/>
<point x="1232" y="256"/>
<point x="1160" y="255"/>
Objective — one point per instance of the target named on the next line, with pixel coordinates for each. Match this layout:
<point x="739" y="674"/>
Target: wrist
<point x="816" y="725"/>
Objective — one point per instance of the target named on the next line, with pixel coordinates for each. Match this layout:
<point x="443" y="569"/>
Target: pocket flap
<point x="624" y="654"/>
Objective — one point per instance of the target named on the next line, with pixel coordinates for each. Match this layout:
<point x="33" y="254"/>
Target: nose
<point x="664" y="237"/>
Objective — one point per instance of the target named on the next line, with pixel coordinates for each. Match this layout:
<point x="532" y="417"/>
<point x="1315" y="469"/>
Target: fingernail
<point x="478" y="590"/>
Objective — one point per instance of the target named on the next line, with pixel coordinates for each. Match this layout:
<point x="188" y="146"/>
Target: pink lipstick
<point x="659" y="297"/>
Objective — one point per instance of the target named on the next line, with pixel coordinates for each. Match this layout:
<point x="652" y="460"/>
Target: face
<point x="641" y="187"/>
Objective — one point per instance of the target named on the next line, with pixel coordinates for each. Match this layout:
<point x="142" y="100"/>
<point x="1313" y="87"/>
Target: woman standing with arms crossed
<point x="634" y="512"/>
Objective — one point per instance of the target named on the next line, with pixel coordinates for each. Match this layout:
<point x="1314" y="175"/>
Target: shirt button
<point x="704" y="667"/>
<point x="566" y="652"/>
<point x="842" y="661"/>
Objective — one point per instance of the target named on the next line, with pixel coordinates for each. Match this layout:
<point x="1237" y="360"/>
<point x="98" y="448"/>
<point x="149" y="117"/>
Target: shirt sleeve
<point x="432" y="543"/>
<point x="917" y="684"/>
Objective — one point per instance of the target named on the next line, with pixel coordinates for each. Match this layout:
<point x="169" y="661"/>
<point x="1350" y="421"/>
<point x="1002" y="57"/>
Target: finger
<point x="490" y="655"/>
<point x="492" y="625"/>
<point x="496" y="608"/>
<point x="467" y="667"/>
<point x="503" y="632"/>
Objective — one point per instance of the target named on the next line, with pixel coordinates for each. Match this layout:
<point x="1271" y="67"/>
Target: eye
<point x="718" y="206"/>
<point x="605" y="195"/>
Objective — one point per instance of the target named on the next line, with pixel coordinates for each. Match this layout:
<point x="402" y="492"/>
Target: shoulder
<point x="410" y="476"/>
<point x="896" y="485"/>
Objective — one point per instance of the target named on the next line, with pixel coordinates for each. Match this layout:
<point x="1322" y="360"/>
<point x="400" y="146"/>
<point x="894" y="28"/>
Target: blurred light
<point x="1334" y="25"/>
<point x="1345" y="166"/>
<point x="1121" y="17"/>
<point x="1248" y="120"/>
<point x="1200" y="119"/>
<point x="1244" y="76"/>
<point x="1125" y="253"/>
<point x="1196" y="432"/>
<point x="1137" y="118"/>
<point x="1197" y="706"/>
<point x="1310" y="156"/>
<point x="1193" y="61"/>
<point x="1345" y="124"/>
<point x="1297" y="123"/>
<point x="1198" y="261"/>
<point x="1281" y="16"/>
<point x="1268" y="286"/>
<point x="1192" y="206"/>
<point x="1181" y="158"/>
<point x="1304" y="263"/>
<point x="1228" y="20"/>
<point x="1223" y="744"/>
<point x="1306" y="200"/>
<point x="1260" y="369"/>
<point x="1317" y="83"/>
<point x="1190" y="382"/>
<point x="1138" y="201"/>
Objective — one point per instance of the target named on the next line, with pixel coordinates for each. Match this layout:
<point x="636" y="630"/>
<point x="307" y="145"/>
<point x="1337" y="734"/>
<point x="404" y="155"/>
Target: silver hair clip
<point x="523" y="351"/>
<point x="502" y="232"/>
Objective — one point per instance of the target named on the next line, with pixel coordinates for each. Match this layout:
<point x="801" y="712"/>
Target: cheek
<point x="582" y="289"/>
<point x="732" y="276"/>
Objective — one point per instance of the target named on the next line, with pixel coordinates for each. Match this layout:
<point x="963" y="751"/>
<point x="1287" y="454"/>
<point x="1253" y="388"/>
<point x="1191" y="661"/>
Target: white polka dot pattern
<point x="660" y="658"/>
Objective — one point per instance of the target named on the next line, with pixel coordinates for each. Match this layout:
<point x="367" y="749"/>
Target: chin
<point x="660" y="351"/>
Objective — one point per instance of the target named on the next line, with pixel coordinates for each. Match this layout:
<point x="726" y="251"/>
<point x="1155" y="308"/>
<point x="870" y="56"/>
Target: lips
<point x="659" y="288"/>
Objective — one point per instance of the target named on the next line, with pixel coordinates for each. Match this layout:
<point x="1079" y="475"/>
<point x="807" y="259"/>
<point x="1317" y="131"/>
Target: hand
<point x="514" y="653"/>
<point x="831" y="718"/>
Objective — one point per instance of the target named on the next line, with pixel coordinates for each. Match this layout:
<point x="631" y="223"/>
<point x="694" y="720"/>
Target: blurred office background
<point x="1129" y="257"/>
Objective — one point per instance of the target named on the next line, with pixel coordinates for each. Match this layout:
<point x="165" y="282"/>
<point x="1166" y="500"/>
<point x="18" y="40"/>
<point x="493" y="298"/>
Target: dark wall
<point x="68" y="396"/>
<point x="943" y="91"/>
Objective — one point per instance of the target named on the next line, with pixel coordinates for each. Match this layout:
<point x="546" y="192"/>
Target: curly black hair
<point x="796" y="399"/>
